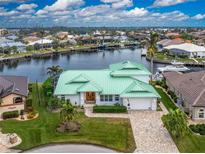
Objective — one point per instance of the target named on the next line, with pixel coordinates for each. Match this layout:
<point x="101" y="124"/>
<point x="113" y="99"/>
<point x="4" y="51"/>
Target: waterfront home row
<point x="124" y="83"/>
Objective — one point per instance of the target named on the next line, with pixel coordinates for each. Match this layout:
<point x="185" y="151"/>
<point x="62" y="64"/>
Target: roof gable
<point x="89" y="87"/>
<point x="82" y="78"/>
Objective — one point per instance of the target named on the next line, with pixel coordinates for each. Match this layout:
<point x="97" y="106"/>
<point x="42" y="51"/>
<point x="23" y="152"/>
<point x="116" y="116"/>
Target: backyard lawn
<point x="191" y="143"/>
<point x="108" y="132"/>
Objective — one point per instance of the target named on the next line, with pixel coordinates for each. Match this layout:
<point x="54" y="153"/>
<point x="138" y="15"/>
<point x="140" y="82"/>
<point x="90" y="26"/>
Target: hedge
<point x="199" y="128"/>
<point x="109" y="109"/>
<point x="11" y="114"/>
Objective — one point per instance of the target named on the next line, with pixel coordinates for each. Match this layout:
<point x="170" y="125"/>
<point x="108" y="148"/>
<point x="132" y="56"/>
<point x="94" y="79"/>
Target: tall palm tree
<point x="54" y="72"/>
<point x="152" y="47"/>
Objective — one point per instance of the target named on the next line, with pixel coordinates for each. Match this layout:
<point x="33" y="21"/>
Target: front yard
<point x="189" y="143"/>
<point x="108" y="132"/>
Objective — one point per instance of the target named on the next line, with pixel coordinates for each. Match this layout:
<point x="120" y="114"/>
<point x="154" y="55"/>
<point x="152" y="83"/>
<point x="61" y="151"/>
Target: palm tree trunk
<point x="151" y="68"/>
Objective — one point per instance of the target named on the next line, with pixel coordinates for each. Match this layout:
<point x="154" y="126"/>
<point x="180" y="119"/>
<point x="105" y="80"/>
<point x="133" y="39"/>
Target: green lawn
<point x="190" y="143"/>
<point x="166" y="100"/>
<point x="108" y="132"/>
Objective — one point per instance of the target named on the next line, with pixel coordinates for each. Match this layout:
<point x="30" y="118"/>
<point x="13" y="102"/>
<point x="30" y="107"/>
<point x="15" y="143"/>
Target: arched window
<point x="18" y="100"/>
<point x="201" y="113"/>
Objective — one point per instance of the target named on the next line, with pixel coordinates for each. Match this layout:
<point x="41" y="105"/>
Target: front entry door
<point x="90" y="97"/>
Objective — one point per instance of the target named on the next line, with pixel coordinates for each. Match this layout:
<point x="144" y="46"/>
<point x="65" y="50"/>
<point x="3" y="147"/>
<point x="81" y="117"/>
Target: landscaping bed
<point x="109" y="109"/>
<point x="114" y="133"/>
<point x="190" y="143"/>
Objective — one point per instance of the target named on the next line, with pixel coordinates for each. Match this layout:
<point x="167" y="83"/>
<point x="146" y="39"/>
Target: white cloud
<point x="60" y="5"/>
<point x="161" y="3"/>
<point x="94" y="10"/>
<point x="13" y="1"/>
<point x="27" y="6"/>
<point x="199" y="17"/>
<point x="137" y="12"/>
<point x="117" y="4"/>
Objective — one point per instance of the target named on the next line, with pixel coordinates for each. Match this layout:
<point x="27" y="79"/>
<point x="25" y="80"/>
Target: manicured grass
<point x="166" y="100"/>
<point x="108" y="132"/>
<point x="189" y="143"/>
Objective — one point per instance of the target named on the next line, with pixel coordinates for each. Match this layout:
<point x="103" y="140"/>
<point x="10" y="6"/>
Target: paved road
<point x="70" y="148"/>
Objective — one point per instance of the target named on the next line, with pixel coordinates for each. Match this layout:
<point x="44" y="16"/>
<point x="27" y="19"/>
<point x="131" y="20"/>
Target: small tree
<point x="176" y="123"/>
<point x="67" y="113"/>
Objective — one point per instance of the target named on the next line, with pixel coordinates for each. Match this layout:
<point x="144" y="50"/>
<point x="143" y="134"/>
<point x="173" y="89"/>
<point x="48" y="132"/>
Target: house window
<point x="62" y="97"/>
<point x="18" y="100"/>
<point x="117" y="98"/>
<point x="106" y="98"/>
<point x="101" y="98"/>
<point x="201" y="113"/>
<point x="110" y="98"/>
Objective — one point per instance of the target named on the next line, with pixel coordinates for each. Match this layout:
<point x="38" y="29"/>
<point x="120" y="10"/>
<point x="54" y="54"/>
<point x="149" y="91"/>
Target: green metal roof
<point x="90" y="86"/>
<point x="75" y="81"/>
<point x="82" y="78"/>
<point x="139" y="89"/>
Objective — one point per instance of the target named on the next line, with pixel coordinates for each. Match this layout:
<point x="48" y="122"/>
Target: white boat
<point x="143" y="52"/>
<point x="176" y="66"/>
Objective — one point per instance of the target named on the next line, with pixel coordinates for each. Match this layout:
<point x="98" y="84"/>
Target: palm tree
<point x="67" y="112"/>
<point x="152" y="48"/>
<point x="54" y="72"/>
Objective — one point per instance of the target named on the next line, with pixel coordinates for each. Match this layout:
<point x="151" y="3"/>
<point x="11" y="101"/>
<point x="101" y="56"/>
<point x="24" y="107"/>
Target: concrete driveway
<point x="149" y="133"/>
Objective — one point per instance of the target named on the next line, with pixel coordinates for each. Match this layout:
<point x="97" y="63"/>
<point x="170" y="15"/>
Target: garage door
<point x="140" y="104"/>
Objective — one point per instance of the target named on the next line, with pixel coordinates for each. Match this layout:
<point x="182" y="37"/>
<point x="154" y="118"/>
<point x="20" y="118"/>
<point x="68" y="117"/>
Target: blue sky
<point x="126" y="13"/>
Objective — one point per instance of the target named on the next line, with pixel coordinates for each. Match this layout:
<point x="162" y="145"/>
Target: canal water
<point x="36" y="68"/>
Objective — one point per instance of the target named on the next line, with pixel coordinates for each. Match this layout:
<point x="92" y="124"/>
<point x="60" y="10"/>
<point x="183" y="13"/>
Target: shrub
<point x="48" y="87"/>
<point x="31" y="115"/>
<point x="173" y="96"/>
<point x="30" y="86"/>
<point x="11" y="114"/>
<point x="109" y="109"/>
<point x="29" y="102"/>
<point x="199" y="128"/>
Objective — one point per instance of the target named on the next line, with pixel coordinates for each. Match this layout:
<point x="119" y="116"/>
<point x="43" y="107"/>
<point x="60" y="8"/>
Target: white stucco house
<point x="125" y="83"/>
<point x="189" y="49"/>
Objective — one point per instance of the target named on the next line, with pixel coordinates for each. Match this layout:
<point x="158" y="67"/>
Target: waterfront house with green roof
<point x="125" y="83"/>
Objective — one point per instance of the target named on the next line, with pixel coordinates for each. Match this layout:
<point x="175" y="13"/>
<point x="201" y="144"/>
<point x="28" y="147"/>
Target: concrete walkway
<point x="89" y="113"/>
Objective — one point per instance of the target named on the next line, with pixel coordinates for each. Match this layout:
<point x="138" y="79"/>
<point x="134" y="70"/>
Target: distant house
<point x="42" y="42"/>
<point x="13" y="93"/>
<point x="190" y="89"/>
<point x="167" y="42"/>
<point x="189" y="49"/>
<point x="7" y="43"/>
<point x="124" y="83"/>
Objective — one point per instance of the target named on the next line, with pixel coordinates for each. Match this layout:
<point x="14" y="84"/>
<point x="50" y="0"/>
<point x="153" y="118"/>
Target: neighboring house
<point x="190" y="89"/>
<point x="167" y="42"/>
<point x="42" y="42"/>
<point x="189" y="49"/>
<point x="124" y="83"/>
<point x="7" y="43"/>
<point x="13" y="93"/>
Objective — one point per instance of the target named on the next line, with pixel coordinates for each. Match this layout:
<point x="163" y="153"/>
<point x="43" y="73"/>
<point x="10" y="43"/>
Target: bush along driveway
<point x="114" y="133"/>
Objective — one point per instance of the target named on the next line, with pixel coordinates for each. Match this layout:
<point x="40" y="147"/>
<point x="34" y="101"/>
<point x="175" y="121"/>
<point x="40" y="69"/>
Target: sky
<point x="100" y="13"/>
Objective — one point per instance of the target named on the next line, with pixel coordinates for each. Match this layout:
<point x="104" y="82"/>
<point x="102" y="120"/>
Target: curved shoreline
<point x="68" y="50"/>
<point x="98" y="146"/>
